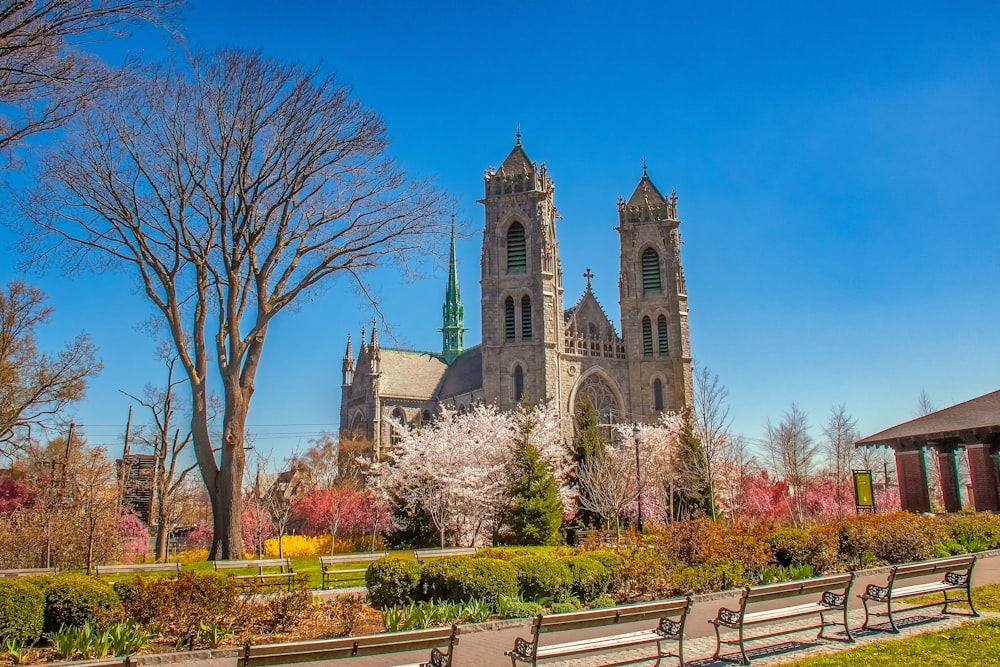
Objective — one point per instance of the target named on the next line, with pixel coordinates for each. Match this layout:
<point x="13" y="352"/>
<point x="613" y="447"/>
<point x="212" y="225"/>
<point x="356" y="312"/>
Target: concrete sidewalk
<point x="483" y="645"/>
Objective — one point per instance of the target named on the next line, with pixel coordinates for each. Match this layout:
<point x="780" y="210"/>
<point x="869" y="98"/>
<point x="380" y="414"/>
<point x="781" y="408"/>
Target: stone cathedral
<point x="533" y="347"/>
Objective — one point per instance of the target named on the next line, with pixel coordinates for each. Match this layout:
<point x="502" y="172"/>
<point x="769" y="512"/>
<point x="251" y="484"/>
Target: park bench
<point x="832" y="591"/>
<point x="331" y="571"/>
<point x="669" y="615"/>
<point x="29" y="572"/>
<point x="261" y="655"/>
<point x="137" y="568"/>
<point x="424" y="554"/>
<point x="265" y="577"/>
<point x="957" y="577"/>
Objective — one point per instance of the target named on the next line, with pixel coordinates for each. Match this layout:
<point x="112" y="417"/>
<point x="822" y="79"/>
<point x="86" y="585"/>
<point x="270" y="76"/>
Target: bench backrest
<point x="788" y="589"/>
<point x="577" y="620"/>
<point x="423" y="554"/>
<point x="352" y="558"/>
<point x="283" y="563"/>
<point x="347" y="647"/>
<point x="29" y="572"/>
<point x="137" y="568"/>
<point x="955" y="564"/>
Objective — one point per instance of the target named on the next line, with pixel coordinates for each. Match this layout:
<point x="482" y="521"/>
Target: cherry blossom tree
<point x="332" y="510"/>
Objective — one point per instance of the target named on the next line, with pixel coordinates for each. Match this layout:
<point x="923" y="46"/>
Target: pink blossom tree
<point x="332" y="510"/>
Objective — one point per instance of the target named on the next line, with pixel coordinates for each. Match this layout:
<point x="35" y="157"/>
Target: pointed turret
<point x="453" y="313"/>
<point x="647" y="203"/>
<point x="347" y="367"/>
<point x="517" y="174"/>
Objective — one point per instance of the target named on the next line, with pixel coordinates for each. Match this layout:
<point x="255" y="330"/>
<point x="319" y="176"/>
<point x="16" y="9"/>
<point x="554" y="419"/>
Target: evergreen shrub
<point x="975" y="532"/>
<point x="888" y="538"/>
<point x="590" y="578"/>
<point x="603" y="602"/>
<point x="22" y="611"/>
<point x="614" y="563"/>
<point x="570" y="604"/>
<point x="513" y="607"/>
<point x="74" y="600"/>
<point x="393" y="581"/>
<point x="543" y="578"/>
<point x="463" y="579"/>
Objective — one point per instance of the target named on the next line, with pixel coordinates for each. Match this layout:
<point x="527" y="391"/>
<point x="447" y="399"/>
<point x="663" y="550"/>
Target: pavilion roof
<point x="975" y="418"/>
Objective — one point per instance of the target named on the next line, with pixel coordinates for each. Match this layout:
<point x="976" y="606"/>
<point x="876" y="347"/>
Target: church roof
<point x="411" y="374"/>
<point x="980" y="414"/>
<point x="517" y="162"/>
<point x="465" y="374"/>
<point x="646" y="192"/>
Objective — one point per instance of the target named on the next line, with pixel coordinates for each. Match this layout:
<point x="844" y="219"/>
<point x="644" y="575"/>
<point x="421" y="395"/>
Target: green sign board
<point x="864" y="490"/>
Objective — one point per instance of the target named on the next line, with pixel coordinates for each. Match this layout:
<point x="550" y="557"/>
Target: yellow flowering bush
<point x="298" y="545"/>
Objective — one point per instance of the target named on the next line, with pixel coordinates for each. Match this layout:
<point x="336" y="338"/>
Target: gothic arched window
<point x="526" y="317"/>
<point x="517" y="258"/>
<point x="650" y="272"/>
<point x="647" y="337"/>
<point x="664" y="338"/>
<point x="658" y="396"/>
<point x="518" y="383"/>
<point x="396" y="434"/>
<point x="509" y="329"/>
<point x="604" y="402"/>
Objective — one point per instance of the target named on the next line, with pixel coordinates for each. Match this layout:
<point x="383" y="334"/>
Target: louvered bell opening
<point x="650" y="272"/>
<point x="517" y="260"/>
<point x="647" y="337"/>
<point x="526" y="318"/>
<point x="661" y="330"/>
<point x="508" y="323"/>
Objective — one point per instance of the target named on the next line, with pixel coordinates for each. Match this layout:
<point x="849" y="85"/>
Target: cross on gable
<point x="588" y="275"/>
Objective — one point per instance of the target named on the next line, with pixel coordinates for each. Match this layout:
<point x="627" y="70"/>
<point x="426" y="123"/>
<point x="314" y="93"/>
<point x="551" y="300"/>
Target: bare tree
<point x="711" y="424"/>
<point x="45" y="76"/>
<point x="841" y="432"/>
<point x="736" y="468"/>
<point x="925" y="405"/>
<point x="230" y="191"/>
<point x="792" y="451"/>
<point x="167" y="442"/>
<point x="609" y="478"/>
<point x="35" y="387"/>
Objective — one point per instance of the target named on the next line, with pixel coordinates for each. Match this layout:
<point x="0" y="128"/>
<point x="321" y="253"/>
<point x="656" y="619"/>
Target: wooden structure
<point x="973" y="426"/>
<point x="957" y="577"/>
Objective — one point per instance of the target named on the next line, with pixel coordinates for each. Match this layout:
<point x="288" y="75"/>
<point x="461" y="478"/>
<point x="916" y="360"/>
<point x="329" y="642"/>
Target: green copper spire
<point x="454" y="314"/>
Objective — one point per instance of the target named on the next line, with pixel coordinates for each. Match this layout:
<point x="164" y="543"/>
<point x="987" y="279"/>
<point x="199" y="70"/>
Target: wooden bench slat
<point x="137" y="568"/>
<point x="29" y="571"/>
<point x="599" y="644"/>
<point x="261" y="655"/>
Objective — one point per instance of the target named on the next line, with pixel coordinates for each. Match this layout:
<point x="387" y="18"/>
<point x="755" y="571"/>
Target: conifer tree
<point x="535" y="513"/>
<point x="587" y="446"/>
<point x="692" y="491"/>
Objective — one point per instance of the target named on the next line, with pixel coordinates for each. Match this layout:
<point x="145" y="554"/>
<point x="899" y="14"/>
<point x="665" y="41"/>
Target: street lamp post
<point x="638" y="477"/>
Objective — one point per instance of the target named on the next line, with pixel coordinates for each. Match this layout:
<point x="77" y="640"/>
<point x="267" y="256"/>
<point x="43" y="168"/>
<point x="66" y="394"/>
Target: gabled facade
<point x="532" y="347"/>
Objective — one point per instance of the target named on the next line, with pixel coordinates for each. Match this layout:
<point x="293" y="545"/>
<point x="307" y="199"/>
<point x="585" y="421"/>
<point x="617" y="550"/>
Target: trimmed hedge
<point x="73" y="600"/>
<point x="816" y="546"/>
<point x="177" y="606"/>
<point x="393" y="581"/>
<point x="543" y="578"/>
<point x="22" y="611"/>
<point x="590" y="578"/>
<point x="462" y="578"/>
<point x="614" y="563"/>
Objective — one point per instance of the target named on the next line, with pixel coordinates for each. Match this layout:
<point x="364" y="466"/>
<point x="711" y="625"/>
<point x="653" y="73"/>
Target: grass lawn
<point x="974" y="644"/>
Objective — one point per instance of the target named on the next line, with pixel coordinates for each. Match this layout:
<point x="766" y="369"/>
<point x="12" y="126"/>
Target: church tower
<point x="522" y="312"/>
<point x="653" y="299"/>
<point x="453" y="316"/>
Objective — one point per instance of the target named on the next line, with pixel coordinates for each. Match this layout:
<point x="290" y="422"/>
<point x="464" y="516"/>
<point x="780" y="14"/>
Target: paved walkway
<point x="483" y="645"/>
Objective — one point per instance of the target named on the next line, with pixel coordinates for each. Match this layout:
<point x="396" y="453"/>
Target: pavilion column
<point x="983" y="470"/>
<point x="948" y="466"/>
<point x="912" y="475"/>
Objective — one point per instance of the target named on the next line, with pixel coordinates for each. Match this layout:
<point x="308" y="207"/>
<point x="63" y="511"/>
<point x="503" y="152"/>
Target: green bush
<point x="393" y="581"/>
<point x="590" y="577"/>
<point x="707" y="577"/>
<point x="570" y="604"/>
<point x="542" y="578"/>
<point x="816" y="547"/>
<point x="513" y="607"/>
<point x="22" y="611"/>
<point x="73" y="600"/>
<point x="603" y="602"/>
<point x="975" y="532"/>
<point x="614" y="563"/>
<point x="462" y="579"/>
<point x="437" y="579"/>
<point x="889" y="538"/>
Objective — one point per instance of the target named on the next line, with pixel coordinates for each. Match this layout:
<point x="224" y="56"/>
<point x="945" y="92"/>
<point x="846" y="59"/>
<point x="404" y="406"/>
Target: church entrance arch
<point x="606" y="399"/>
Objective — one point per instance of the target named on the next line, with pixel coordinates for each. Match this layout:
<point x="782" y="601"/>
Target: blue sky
<point x="838" y="169"/>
